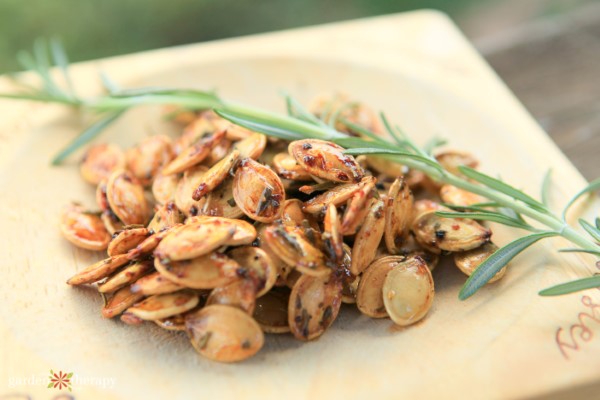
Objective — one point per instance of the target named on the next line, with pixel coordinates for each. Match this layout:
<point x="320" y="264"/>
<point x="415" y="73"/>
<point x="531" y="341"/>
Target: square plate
<point x="506" y="342"/>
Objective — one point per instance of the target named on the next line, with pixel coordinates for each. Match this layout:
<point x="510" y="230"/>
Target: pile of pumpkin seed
<point x="227" y="235"/>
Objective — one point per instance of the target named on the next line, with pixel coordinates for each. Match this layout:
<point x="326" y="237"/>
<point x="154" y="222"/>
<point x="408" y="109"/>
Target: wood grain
<point x="420" y="70"/>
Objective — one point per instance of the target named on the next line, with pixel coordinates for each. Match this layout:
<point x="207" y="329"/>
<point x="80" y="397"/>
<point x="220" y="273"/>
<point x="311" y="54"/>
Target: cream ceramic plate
<point x="504" y="342"/>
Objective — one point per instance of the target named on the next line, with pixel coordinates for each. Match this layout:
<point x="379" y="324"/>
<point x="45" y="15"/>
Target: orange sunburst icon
<point x="60" y="380"/>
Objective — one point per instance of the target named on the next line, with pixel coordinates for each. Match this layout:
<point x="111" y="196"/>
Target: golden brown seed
<point x="215" y="175"/>
<point x="387" y="167"/>
<point x="450" y="234"/>
<point x="336" y="196"/>
<point x="179" y="115"/>
<point x="120" y="301"/>
<point x="83" y="229"/>
<point x="202" y="125"/>
<point x="369" y="295"/>
<point x="468" y="261"/>
<point x="151" y="242"/>
<point x="258" y="191"/>
<point x="424" y="206"/>
<point x="147" y="158"/>
<point x="368" y="238"/>
<point x="271" y="311"/>
<point x="356" y="204"/>
<point x="101" y="199"/>
<point x="164" y="187"/>
<point x="164" y="305"/>
<point x="287" y="167"/>
<point x="186" y="186"/>
<point x="458" y="197"/>
<point x="349" y="281"/>
<point x="220" y="202"/>
<point x="174" y="323"/>
<point x="126" y="198"/>
<point x="451" y="160"/>
<point x="154" y="283"/>
<point x="282" y="268"/>
<point x="126" y="240"/>
<point x="415" y="179"/>
<point x="234" y="132"/>
<point x="126" y="276"/>
<point x="245" y="233"/>
<point x="291" y="213"/>
<point x="100" y="161"/>
<point x="99" y="270"/>
<point x="194" y="154"/>
<point x="408" y="291"/>
<point x="194" y="239"/>
<point x="204" y="272"/>
<point x="332" y="232"/>
<point x="224" y="333"/>
<point x="257" y="266"/>
<point x="292" y="246"/>
<point x="240" y="293"/>
<point x="111" y="222"/>
<point x="313" y="306"/>
<point x="166" y="216"/>
<point x="130" y="319"/>
<point x="251" y="146"/>
<point x="340" y="107"/>
<point x="398" y="215"/>
<point x="360" y="216"/>
<point x="218" y="152"/>
<point x="326" y="160"/>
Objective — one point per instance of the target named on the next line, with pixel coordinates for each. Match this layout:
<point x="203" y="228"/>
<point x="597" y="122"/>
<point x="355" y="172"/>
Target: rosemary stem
<point x="547" y="219"/>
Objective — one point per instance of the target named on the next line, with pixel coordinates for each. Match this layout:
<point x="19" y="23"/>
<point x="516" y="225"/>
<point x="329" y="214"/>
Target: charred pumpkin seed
<point x="449" y="234"/>
<point x="326" y="160"/>
<point x="313" y="306"/>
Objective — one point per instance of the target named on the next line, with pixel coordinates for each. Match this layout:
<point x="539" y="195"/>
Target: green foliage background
<point x="99" y="28"/>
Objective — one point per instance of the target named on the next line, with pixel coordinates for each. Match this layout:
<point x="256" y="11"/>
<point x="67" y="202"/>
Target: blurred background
<point x="547" y="51"/>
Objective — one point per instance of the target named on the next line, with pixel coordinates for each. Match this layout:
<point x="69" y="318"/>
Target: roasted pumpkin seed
<point x="258" y="191"/>
<point x="126" y="198"/>
<point x="155" y="283"/>
<point x="146" y="159"/>
<point x="313" y="306"/>
<point x="100" y="161"/>
<point x="127" y="239"/>
<point x="224" y="333"/>
<point x="204" y="272"/>
<point x="468" y="261"/>
<point x="398" y="215"/>
<point x="271" y="311"/>
<point x="164" y="305"/>
<point x="368" y="238"/>
<point x="326" y="160"/>
<point x="449" y="234"/>
<point x="83" y="228"/>
<point x="408" y="291"/>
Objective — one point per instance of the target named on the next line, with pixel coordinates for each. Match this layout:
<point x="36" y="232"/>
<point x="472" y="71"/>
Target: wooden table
<point x="552" y="66"/>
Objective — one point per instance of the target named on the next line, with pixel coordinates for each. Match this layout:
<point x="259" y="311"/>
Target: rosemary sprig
<point x="507" y="205"/>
